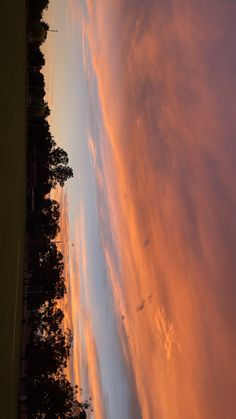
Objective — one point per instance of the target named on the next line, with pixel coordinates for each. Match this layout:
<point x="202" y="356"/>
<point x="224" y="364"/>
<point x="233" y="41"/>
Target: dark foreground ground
<point x="12" y="202"/>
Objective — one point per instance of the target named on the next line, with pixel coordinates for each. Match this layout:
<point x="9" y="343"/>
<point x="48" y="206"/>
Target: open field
<point x="12" y="208"/>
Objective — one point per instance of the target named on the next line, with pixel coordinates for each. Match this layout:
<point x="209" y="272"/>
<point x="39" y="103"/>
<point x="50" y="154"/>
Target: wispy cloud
<point x="85" y="358"/>
<point x="166" y="81"/>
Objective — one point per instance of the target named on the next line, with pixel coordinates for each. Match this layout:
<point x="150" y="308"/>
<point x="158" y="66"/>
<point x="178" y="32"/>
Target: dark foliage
<point x="50" y="394"/>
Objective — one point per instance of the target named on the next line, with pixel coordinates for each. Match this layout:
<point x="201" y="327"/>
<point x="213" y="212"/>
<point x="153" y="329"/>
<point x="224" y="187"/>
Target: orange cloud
<point x="93" y="372"/>
<point x="97" y="170"/>
<point x="166" y="81"/>
<point x="92" y="150"/>
<point x="84" y="366"/>
<point x="165" y="124"/>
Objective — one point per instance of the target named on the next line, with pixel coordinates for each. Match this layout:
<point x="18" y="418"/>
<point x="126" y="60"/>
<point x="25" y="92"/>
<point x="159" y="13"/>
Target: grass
<point x="12" y="207"/>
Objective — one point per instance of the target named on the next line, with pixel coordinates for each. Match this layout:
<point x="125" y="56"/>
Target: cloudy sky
<point x="143" y="99"/>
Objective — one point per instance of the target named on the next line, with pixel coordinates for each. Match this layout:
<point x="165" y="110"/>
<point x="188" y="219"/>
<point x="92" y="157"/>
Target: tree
<point x="45" y="25"/>
<point x="60" y="174"/>
<point x="55" y="398"/>
<point x="58" y="156"/>
<point x="37" y="32"/>
<point x="51" y="259"/>
<point x="36" y="8"/>
<point x="36" y="80"/>
<point x="38" y="109"/>
<point x="51" y="395"/>
<point x="38" y="4"/>
<point x="49" y="353"/>
<point x="50" y="211"/>
<point x="47" y="319"/>
<point x="36" y="57"/>
<point x="47" y="110"/>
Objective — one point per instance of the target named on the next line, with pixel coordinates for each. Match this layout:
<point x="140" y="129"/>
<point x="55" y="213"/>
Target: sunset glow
<point x="156" y="264"/>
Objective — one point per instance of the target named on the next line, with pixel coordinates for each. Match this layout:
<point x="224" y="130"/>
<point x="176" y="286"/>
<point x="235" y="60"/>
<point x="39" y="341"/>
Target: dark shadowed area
<point x="12" y="208"/>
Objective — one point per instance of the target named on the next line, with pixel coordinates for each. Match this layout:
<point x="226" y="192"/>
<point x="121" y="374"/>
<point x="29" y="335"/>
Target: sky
<point x="143" y="100"/>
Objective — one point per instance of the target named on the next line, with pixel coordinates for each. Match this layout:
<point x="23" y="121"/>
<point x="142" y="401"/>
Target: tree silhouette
<point x="36" y="57"/>
<point x="60" y="174"/>
<point x="49" y="352"/>
<point x="58" y="156"/>
<point x="50" y="394"/>
<point x="56" y="398"/>
<point x="37" y="32"/>
<point x="47" y="320"/>
<point x="36" y="80"/>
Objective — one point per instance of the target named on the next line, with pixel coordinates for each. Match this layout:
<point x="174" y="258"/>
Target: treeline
<point x="50" y="395"/>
